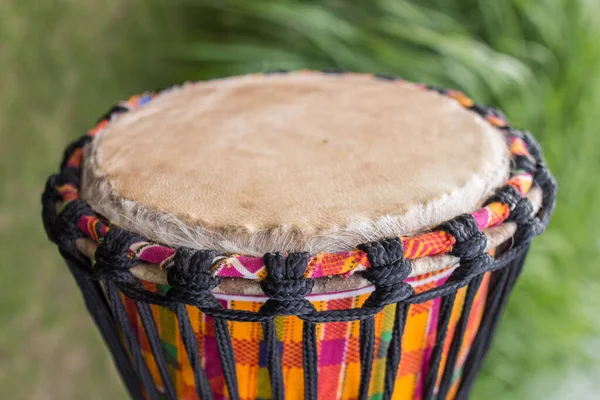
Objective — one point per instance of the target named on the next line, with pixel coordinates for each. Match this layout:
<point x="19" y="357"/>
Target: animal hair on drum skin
<point x="173" y="231"/>
<point x="495" y="236"/>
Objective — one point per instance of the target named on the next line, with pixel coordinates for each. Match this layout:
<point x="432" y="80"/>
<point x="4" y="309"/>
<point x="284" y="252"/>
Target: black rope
<point x="310" y="360"/>
<point x="447" y="303"/>
<point x="191" y="283"/>
<point x="114" y="267"/>
<point x="458" y="337"/>
<point x="367" y="349"/>
<point x="51" y="197"/>
<point x="286" y="287"/>
<point x="114" y="110"/>
<point x="273" y="360"/>
<point x="388" y="271"/>
<point x="157" y="351"/>
<point x="501" y="285"/>
<point x="513" y="273"/>
<point x="112" y="260"/>
<point x="121" y="318"/>
<point x="97" y="305"/>
<point x="470" y="247"/>
<point x="193" y="352"/>
<point x="497" y="264"/>
<point x="475" y="357"/>
<point x="395" y="350"/>
<point x="354" y="314"/>
<point x="470" y="241"/>
<point x="64" y="233"/>
<point x="76" y="144"/>
<point x="227" y="357"/>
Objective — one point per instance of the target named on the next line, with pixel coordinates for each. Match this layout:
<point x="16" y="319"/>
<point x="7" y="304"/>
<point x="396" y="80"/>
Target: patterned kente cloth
<point x="337" y="343"/>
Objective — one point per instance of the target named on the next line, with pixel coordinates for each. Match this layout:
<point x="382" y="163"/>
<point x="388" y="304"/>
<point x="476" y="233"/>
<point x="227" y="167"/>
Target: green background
<point x="64" y="62"/>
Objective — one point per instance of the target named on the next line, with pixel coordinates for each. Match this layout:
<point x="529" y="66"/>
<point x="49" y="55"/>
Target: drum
<point x="302" y="235"/>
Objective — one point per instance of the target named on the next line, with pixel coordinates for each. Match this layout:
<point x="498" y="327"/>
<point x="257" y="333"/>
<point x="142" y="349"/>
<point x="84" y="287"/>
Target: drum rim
<point x="64" y="209"/>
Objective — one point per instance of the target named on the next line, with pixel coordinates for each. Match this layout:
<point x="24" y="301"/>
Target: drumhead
<point x="301" y="161"/>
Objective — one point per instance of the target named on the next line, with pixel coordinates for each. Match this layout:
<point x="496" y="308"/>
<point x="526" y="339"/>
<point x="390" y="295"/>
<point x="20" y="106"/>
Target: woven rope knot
<point x="297" y="307"/>
<point x="388" y="274"/>
<point x="190" y="278"/>
<point x="534" y="149"/>
<point x="470" y="241"/>
<point x="526" y="232"/>
<point x="114" y="110"/>
<point x="202" y="299"/>
<point x="545" y="181"/>
<point x="388" y="271"/>
<point x="112" y="258"/>
<point x="542" y="177"/>
<point x="487" y="111"/>
<point x="507" y="195"/>
<point x="75" y="209"/>
<point x="79" y="143"/>
<point x="469" y="269"/>
<point x="385" y="295"/>
<point x="286" y="285"/>
<point x="50" y="193"/>
<point x="522" y="213"/>
<point x="64" y="231"/>
<point x="524" y="163"/>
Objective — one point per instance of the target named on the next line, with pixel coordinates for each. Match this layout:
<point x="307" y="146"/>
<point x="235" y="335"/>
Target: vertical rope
<point x="99" y="308"/>
<point x="491" y="312"/>
<point x="470" y="247"/>
<point x="395" y="350"/>
<point x="112" y="267"/>
<point x="191" y="348"/>
<point x="502" y="282"/>
<point x="367" y="347"/>
<point x="388" y="271"/>
<point x="310" y="360"/>
<point x="273" y="360"/>
<point x="227" y="357"/>
<point x="191" y="283"/>
<point x="121" y="318"/>
<point x="438" y="348"/>
<point x="457" y="339"/>
<point x="286" y="286"/>
<point x="154" y="340"/>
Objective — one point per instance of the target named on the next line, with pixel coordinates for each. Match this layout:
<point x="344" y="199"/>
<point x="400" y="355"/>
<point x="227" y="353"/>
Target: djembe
<point x="298" y="235"/>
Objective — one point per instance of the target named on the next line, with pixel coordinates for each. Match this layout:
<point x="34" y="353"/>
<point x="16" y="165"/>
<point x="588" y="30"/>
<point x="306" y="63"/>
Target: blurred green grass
<point x="63" y="63"/>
